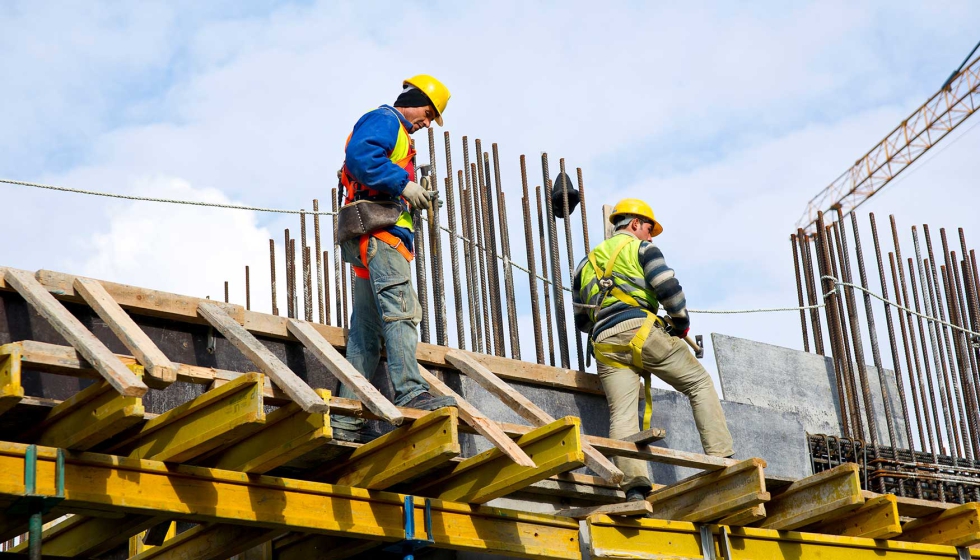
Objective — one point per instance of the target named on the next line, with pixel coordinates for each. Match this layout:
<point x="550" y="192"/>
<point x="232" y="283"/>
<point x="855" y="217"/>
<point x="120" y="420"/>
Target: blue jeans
<point x="386" y="311"/>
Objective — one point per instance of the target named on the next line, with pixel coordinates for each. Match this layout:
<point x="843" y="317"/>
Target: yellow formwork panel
<point x="11" y="390"/>
<point x="96" y="482"/>
<point x="81" y="536"/>
<point x="656" y="539"/>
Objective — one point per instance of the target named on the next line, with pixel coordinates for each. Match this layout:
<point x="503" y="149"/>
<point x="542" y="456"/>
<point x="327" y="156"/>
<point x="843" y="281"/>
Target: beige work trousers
<point x="668" y="358"/>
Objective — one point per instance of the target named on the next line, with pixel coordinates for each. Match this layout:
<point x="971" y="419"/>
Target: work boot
<point x="637" y="493"/>
<point x="427" y="401"/>
<point x="363" y="435"/>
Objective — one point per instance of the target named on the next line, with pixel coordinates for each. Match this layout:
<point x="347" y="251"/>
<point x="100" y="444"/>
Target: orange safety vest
<point x="353" y="188"/>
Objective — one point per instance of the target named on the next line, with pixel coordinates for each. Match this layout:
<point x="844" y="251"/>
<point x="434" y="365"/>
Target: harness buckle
<point x="606" y="283"/>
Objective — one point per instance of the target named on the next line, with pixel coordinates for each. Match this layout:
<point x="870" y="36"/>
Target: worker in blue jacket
<point x="379" y="166"/>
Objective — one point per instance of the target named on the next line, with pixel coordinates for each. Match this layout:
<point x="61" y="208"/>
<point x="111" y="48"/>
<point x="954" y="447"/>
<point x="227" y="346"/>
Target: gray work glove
<point x="415" y="195"/>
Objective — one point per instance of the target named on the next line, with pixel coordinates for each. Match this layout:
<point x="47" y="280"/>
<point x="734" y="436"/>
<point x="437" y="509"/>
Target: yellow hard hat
<point x="636" y="207"/>
<point x="437" y="93"/>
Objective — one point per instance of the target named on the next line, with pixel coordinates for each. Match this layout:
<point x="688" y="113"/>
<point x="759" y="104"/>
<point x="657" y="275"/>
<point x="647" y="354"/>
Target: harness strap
<point x="394" y="241"/>
<point x="635" y="349"/>
<point x="607" y="274"/>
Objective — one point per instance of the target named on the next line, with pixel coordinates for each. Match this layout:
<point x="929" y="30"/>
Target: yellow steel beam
<point x="555" y="448"/>
<point x="710" y="496"/>
<point x="96" y="482"/>
<point x="287" y="433"/>
<point x="876" y="519"/>
<point x="90" y="417"/>
<point x="959" y="526"/>
<point x="658" y="539"/>
<point x="11" y="390"/>
<point x="815" y="498"/>
<point x="406" y="452"/>
<point x="194" y="428"/>
<point x="81" y="536"/>
<point x="210" y="542"/>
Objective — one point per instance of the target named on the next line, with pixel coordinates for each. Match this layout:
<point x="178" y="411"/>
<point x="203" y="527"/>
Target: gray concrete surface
<point x="788" y="380"/>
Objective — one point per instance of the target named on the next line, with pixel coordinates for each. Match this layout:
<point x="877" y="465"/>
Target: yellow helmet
<point x="636" y="207"/>
<point x="437" y="93"/>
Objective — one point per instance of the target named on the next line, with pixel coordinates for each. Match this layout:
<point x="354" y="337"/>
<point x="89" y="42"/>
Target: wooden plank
<point x="287" y="433"/>
<point x="815" y="498"/>
<point x="81" y="536"/>
<point x="89" y="417"/>
<point x="160" y="372"/>
<point x="745" y="517"/>
<point x="344" y="371"/>
<point x="527" y="410"/>
<point x="76" y="334"/>
<point x="876" y="519"/>
<point x="557" y="448"/>
<point x="11" y="389"/>
<point x="296" y="388"/>
<point x="712" y="495"/>
<point x="212" y="420"/>
<point x="646" y="436"/>
<point x="636" y="508"/>
<point x="915" y="507"/>
<point x="210" y="542"/>
<point x="958" y="526"/>
<point x="483" y="425"/>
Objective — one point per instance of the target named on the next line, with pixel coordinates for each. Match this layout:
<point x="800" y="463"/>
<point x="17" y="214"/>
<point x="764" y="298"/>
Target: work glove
<point x="415" y="195"/>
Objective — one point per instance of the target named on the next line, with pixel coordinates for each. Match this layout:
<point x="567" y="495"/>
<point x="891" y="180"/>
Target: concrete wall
<point x="797" y="382"/>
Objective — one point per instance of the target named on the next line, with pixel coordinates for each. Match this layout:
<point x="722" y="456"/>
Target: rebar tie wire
<point x="838" y="284"/>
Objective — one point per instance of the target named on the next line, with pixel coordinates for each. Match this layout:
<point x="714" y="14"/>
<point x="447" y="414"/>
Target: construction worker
<point x="617" y="291"/>
<point x="379" y="168"/>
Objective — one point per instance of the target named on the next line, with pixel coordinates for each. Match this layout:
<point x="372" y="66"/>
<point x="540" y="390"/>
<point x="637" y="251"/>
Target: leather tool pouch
<point x="365" y="216"/>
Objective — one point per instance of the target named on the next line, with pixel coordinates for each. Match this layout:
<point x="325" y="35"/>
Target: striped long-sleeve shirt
<point x="660" y="280"/>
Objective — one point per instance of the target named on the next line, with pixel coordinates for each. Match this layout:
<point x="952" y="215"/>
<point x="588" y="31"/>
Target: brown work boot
<point x="427" y="401"/>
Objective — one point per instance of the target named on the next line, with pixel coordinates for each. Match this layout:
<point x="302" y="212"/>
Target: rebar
<point x="453" y="249"/>
<point x="490" y="230"/>
<point x="585" y="220"/>
<point x="799" y="292"/>
<point x="319" y="261"/>
<point x="289" y="282"/>
<point x="435" y="249"/>
<point x="272" y="273"/>
<point x="532" y="279"/>
<point x="850" y="379"/>
<point x="482" y="258"/>
<point x="292" y="276"/>
<point x="969" y="367"/>
<point x="556" y="284"/>
<point x="515" y="343"/>
<point x="962" y="397"/>
<point x="340" y="293"/>
<point x="248" y="291"/>
<point x="226" y="291"/>
<point x="472" y="297"/>
<point x="940" y="446"/>
<point x="305" y="256"/>
<point x="570" y="254"/>
<point x="544" y="274"/>
<point x="811" y="290"/>
<point x="833" y="324"/>
<point x="479" y="298"/>
<point x="326" y="287"/>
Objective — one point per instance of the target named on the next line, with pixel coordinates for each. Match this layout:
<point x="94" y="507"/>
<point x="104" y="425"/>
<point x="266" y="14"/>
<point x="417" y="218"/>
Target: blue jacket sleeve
<point x="368" y="152"/>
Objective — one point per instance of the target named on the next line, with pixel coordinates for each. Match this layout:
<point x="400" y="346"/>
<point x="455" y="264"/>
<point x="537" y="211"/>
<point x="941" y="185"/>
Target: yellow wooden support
<point x="876" y="519"/>
<point x="217" y="417"/>
<point x="96" y="482"/>
<point x="287" y="433"/>
<point x="11" y="390"/>
<point x="555" y="448"/>
<point x="90" y="417"/>
<point x="959" y="526"/>
<point x="137" y="546"/>
<point x="815" y="498"/>
<point x="712" y="495"/>
<point x="304" y="547"/>
<point x="82" y="536"/>
<point x="619" y="537"/>
<point x="745" y="517"/>
<point x="406" y="452"/>
<point x="210" y="542"/>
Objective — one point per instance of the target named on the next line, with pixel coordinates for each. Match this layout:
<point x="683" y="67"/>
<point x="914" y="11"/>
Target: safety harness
<point x="602" y="350"/>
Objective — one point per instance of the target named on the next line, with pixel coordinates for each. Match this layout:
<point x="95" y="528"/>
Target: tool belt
<point x="365" y="217"/>
<point x="603" y="352"/>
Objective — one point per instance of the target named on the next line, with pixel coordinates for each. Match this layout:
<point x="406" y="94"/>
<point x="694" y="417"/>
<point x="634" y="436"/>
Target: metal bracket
<point x="724" y="544"/>
<point x="32" y="502"/>
<point x="211" y="340"/>
<point x="410" y="544"/>
<point x="707" y="542"/>
<point x="962" y="553"/>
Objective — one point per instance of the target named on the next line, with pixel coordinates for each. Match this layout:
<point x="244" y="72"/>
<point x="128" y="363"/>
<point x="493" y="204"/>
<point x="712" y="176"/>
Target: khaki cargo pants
<point x="668" y="358"/>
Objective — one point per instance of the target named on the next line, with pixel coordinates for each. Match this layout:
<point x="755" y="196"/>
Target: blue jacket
<point x="367" y="157"/>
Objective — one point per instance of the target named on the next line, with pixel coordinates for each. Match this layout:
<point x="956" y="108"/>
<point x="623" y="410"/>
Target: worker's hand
<point x="415" y="195"/>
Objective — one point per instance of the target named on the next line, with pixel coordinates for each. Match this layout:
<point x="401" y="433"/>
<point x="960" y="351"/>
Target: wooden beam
<point x="344" y="371"/>
<point x="206" y="495"/>
<point x="218" y="417"/>
<point x="636" y="508"/>
<point x="81" y="536"/>
<point x="711" y="496"/>
<point x="646" y="436"/>
<point x="578" y="486"/>
<point x="527" y="410"/>
<point x="876" y="519"/>
<point x="815" y="498"/>
<point x="76" y="334"/>
<point x="915" y="507"/>
<point x="160" y="372"/>
<point x="483" y="425"/>
<point x="11" y="390"/>
<point x="959" y="526"/>
<point x="287" y="433"/>
<point x="557" y="447"/>
<point x="402" y="454"/>
<point x="296" y="388"/>
<point x="210" y="542"/>
<point x="90" y="417"/>
<point x="745" y="517"/>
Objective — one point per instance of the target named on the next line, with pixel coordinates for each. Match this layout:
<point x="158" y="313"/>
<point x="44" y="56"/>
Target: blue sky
<point x="726" y="118"/>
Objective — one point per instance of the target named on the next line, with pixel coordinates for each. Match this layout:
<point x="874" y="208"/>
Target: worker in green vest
<point x="617" y="291"/>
